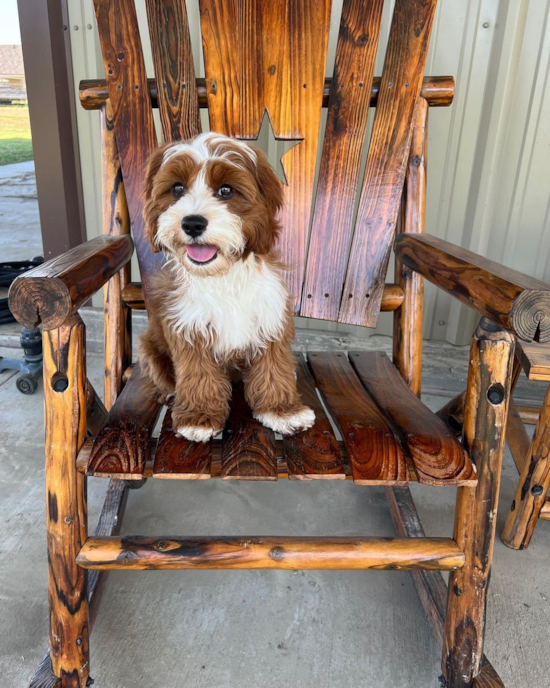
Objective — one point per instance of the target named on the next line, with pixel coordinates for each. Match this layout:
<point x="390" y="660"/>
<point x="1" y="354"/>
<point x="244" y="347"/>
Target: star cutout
<point x="275" y="148"/>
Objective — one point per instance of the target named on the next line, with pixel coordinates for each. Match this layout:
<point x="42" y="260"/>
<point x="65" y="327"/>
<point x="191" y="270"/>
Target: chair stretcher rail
<point x="135" y="552"/>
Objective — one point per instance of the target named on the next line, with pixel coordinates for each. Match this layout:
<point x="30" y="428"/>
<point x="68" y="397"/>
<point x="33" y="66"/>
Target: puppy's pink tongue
<point x="201" y="253"/>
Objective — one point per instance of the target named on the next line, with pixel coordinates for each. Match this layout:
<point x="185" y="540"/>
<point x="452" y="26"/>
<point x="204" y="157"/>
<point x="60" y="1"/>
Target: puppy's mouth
<point x="201" y="254"/>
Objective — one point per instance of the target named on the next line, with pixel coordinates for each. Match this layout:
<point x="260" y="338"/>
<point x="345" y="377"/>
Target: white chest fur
<point x="239" y="312"/>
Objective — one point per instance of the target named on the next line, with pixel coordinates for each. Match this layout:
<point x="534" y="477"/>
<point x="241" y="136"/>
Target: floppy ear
<point x="272" y="192"/>
<point x="150" y="210"/>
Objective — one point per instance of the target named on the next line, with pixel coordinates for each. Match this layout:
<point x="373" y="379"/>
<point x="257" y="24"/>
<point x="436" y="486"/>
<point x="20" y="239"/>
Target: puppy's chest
<point x="233" y="315"/>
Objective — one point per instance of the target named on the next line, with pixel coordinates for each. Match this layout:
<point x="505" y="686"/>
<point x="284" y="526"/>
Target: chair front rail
<point x="303" y="553"/>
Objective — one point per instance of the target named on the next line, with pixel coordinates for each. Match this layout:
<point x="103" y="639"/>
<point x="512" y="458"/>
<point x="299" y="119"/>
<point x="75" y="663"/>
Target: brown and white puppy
<point x="219" y="302"/>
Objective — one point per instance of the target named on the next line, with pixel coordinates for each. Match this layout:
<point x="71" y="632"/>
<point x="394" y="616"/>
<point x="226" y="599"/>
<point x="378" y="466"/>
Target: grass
<point x="15" y="134"/>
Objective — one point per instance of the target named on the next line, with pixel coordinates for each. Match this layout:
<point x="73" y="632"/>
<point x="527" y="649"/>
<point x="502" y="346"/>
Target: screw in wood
<point x="495" y="394"/>
<point x="536" y="490"/>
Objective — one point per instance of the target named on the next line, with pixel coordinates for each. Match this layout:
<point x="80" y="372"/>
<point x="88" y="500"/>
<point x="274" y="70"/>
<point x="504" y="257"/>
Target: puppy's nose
<point x="194" y="225"/>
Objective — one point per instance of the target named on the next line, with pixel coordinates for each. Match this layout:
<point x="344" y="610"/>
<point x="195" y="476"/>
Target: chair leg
<point x="532" y="486"/>
<point x="475" y="518"/>
<point x="66" y="518"/>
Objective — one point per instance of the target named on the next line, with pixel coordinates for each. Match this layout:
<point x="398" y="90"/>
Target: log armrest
<point x="55" y="290"/>
<point x="517" y="302"/>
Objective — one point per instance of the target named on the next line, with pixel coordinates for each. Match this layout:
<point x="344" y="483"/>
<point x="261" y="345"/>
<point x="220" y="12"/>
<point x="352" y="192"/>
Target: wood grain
<point x="96" y="413"/>
<point x="438" y="456"/>
<point x="313" y="454"/>
<point x="176" y="457"/>
<point x="392" y="298"/>
<point x="52" y="292"/>
<point x="132" y="114"/>
<point x="437" y="90"/>
<point x="66" y="518"/>
<point x="535" y="358"/>
<point x="407" y="320"/>
<point x="517" y="437"/>
<point x="521" y="304"/>
<point x="374" y="453"/>
<point x="386" y="162"/>
<point x="486" y="406"/>
<point x="532" y="486"/>
<point x="271" y="56"/>
<point x="122" y="446"/>
<point x="173" y="60"/>
<point x="117" y="318"/>
<point x="248" y="448"/>
<point x="308" y="553"/>
<point x="338" y="183"/>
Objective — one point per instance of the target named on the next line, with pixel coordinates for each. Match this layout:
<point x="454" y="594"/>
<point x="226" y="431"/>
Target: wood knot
<point x="277" y="553"/>
<point x="416" y="160"/>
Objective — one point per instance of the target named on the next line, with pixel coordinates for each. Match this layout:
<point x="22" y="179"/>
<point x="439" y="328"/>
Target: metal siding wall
<point x="489" y="161"/>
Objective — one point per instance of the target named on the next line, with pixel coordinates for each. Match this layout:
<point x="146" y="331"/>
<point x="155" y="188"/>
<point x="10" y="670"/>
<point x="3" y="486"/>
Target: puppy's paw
<point x="288" y="423"/>
<point x="197" y="433"/>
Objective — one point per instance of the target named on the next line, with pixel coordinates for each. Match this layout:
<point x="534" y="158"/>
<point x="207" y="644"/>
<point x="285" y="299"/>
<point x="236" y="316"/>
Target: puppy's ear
<point x="150" y="210"/>
<point x="272" y="192"/>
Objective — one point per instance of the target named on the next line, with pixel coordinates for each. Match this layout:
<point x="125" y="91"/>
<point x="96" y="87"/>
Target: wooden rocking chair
<point x="260" y="57"/>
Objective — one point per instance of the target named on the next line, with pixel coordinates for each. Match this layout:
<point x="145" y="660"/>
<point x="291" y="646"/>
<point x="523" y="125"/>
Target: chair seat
<point x="369" y="428"/>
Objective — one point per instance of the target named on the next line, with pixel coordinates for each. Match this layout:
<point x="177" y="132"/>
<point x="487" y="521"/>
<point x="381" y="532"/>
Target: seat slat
<point x="174" y="70"/>
<point x="438" y="456"/>
<point x="132" y="113"/>
<point x="176" y="457"/>
<point x="314" y="453"/>
<point x="337" y="188"/>
<point x="374" y="452"/>
<point x="535" y="359"/>
<point x="249" y="451"/>
<point x="385" y="171"/>
<point x="271" y="56"/>
<point x="122" y="445"/>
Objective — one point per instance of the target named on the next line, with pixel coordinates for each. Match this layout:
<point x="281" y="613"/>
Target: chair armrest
<point x="517" y="302"/>
<point x="55" y="290"/>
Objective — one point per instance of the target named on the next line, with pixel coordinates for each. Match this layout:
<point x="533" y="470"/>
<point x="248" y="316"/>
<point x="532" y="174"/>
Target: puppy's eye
<point x="178" y="190"/>
<point x="225" y="191"/>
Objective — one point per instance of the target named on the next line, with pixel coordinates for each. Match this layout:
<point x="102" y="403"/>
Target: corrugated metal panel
<point x="489" y="153"/>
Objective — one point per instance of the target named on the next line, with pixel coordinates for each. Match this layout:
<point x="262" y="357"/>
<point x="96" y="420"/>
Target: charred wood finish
<point x="122" y="446"/>
<point x="173" y="60"/>
<point x="271" y="56"/>
<point x="407" y="321"/>
<point x="491" y="357"/>
<point x="52" y="292"/>
<point x="177" y="457"/>
<point x="392" y="298"/>
<point x="374" y="453"/>
<point x="533" y="485"/>
<point x="117" y="318"/>
<point x="437" y="90"/>
<point x="132" y="115"/>
<point x="66" y="518"/>
<point x="521" y="304"/>
<point x="386" y="162"/>
<point x="269" y="553"/>
<point x="348" y="108"/>
<point x="248" y="448"/>
<point x="314" y="453"/>
<point x="437" y="455"/>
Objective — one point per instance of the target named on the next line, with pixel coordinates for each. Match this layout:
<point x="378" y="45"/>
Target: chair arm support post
<point x="53" y="292"/>
<point x="517" y="302"/>
<point x="485" y="413"/>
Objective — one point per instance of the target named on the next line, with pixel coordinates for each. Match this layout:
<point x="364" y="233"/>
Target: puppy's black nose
<point x="194" y="225"/>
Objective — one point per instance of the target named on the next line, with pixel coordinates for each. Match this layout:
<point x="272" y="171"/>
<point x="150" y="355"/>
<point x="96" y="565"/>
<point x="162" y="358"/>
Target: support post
<point x="116" y="221"/>
<point x="485" y="411"/>
<point x="407" y="320"/>
<point x="66" y="517"/>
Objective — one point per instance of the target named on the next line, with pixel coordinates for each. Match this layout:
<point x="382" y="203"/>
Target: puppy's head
<point x="210" y="202"/>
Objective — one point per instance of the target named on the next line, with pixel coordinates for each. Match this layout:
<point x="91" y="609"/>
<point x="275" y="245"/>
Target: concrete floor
<point x="246" y="629"/>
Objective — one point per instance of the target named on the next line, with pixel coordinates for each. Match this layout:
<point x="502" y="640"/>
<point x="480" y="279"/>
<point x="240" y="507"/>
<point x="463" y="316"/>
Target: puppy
<point x="219" y="302"/>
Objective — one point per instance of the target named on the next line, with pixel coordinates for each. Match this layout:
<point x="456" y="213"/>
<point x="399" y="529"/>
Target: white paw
<point x="195" y="433"/>
<point x="287" y="424"/>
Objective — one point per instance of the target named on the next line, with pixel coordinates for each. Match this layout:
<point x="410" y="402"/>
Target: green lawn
<point x="15" y="134"/>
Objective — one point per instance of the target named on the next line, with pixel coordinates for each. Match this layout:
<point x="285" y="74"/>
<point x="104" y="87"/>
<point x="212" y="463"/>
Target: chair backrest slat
<point x="173" y="60"/>
<point x="132" y="114"/>
<point x="386" y="163"/>
<point x="338" y="183"/>
<point x="271" y="56"/>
